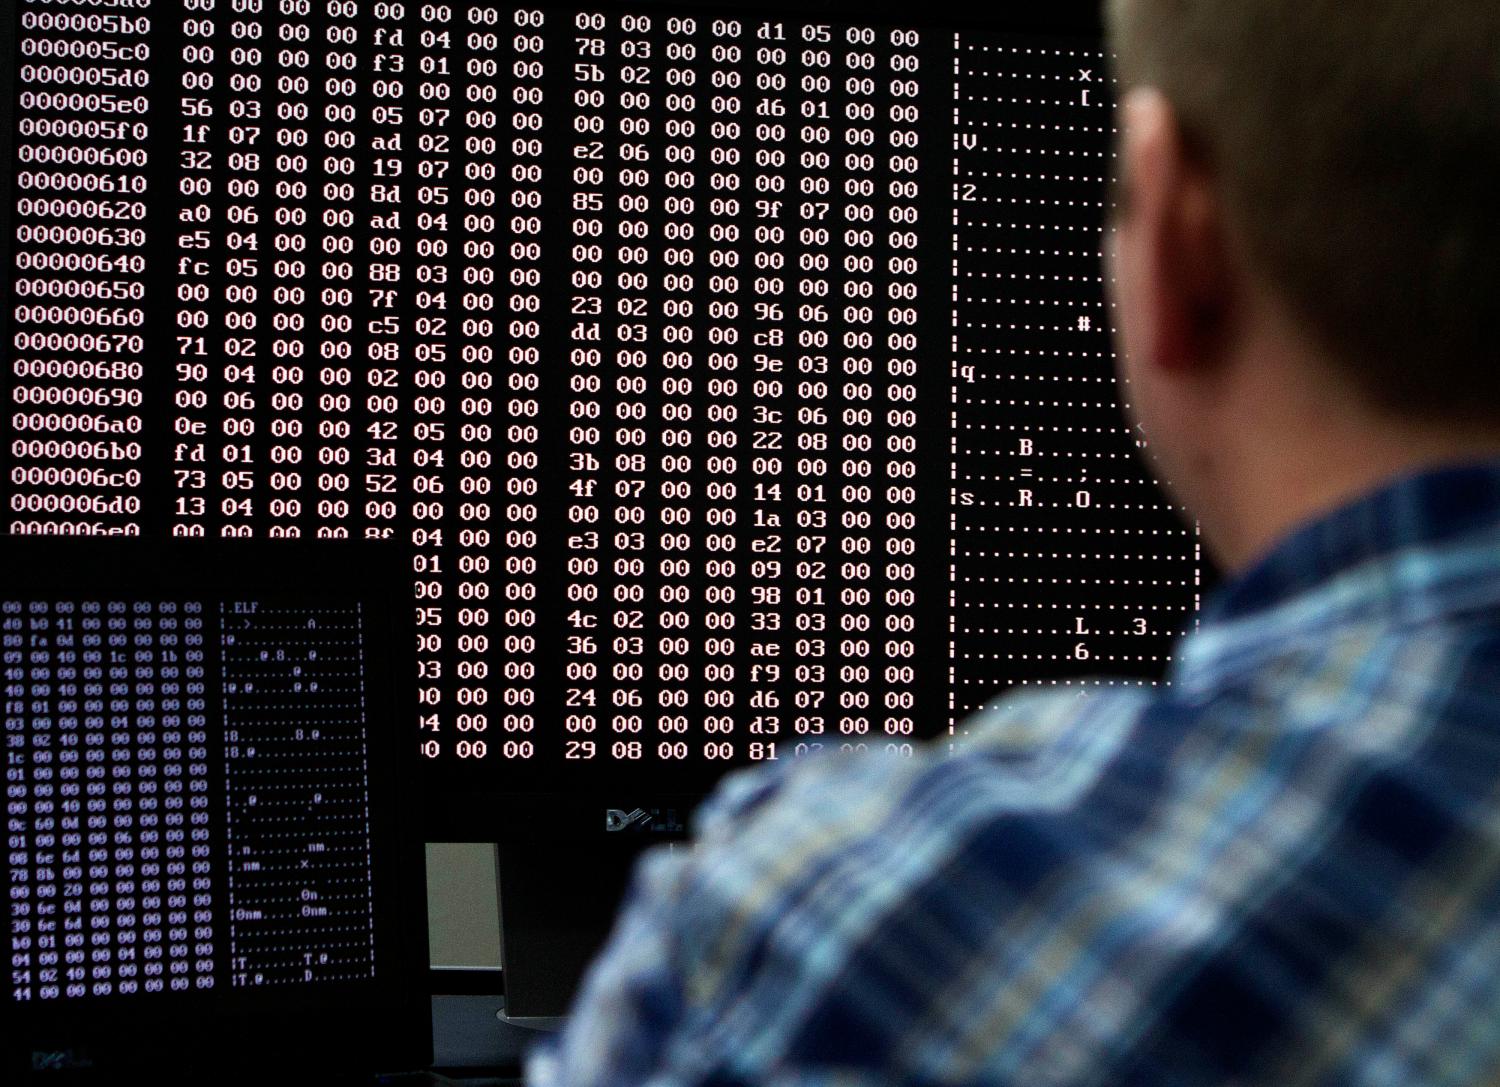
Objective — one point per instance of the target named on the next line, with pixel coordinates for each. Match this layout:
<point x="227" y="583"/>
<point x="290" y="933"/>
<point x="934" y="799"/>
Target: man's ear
<point x="1172" y="262"/>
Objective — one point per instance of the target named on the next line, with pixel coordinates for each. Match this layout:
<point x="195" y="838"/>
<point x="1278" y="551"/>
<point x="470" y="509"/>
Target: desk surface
<point x="468" y="1033"/>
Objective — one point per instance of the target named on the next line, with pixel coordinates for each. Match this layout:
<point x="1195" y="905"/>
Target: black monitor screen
<point x="204" y="849"/>
<point x="735" y="381"/>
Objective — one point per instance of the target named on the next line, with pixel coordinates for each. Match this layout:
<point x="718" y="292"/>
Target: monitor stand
<point x="557" y="906"/>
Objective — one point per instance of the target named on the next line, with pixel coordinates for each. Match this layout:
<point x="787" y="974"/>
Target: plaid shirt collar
<point x="1422" y="547"/>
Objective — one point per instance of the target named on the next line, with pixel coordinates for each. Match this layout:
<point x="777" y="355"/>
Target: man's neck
<point x="1309" y="467"/>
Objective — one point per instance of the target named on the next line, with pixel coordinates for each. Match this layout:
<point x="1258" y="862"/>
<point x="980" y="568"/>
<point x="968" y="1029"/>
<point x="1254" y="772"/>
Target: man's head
<point x="1308" y="237"/>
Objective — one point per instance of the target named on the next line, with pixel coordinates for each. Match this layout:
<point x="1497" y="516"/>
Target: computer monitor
<point x="736" y="380"/>
<point x="207" y="870"/>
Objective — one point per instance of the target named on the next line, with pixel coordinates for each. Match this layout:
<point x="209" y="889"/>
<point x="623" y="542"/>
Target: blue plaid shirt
<point x="1283" y="869"/>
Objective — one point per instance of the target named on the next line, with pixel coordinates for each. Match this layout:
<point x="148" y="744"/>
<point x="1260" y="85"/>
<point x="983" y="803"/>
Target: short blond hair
<point x="1357" y="143"/>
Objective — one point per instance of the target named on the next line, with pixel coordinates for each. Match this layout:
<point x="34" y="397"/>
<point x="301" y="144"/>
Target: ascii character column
<point x="1067" y="560"/>
<point x="296" y="766"/>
